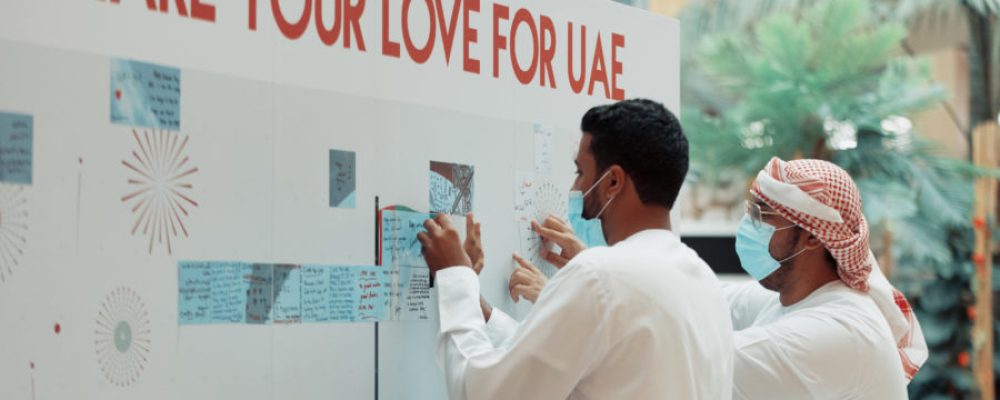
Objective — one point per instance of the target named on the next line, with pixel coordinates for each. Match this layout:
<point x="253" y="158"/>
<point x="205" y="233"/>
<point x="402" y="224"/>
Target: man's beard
<point x="776" y="281"/>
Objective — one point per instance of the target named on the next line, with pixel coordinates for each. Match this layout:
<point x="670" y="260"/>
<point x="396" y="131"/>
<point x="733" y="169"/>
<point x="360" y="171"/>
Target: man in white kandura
<point x="823" y="323"/>
<point x="642" y="319"/>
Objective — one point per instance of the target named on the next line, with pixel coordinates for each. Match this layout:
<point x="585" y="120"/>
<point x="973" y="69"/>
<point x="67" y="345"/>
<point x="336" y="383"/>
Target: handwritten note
<point x="146" y="95"/>
<point x="16" y="137"/>
<point x="194" y="294"/>
<point x="371" y="295"/>
<point x="400" y="246"/>
<point x="413" y="295"/>
<point x="246" y="293"/>
<point x="544" y="138"/>
<point x="342" y="179"/>
<point x="451" y="188"/>
<point x="230" y="292"/>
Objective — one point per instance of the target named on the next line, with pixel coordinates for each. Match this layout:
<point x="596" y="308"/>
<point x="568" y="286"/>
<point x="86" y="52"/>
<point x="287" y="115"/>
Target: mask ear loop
<point x="793" y="255"/>
<point x="594" y="186"/>
<point x="608" y="203"/>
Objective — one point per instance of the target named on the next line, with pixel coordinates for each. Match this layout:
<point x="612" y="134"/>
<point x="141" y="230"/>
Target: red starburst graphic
<point x="160" y="195"/>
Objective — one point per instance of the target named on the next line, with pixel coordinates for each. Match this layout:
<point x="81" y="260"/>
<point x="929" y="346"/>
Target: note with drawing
<point x="287" y="308"/>
<point x="535" y="200"/>
<point x="145" y="95"/>
<point x="342" y="178"/>
<point x="451" y="188"/>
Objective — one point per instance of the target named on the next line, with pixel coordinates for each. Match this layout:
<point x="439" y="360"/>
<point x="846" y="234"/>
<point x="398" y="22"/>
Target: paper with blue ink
<point x="145" y="95"/>
<point x="194" y="293"/>
<point x="16" y="138"/>
<point x="255" y="293"/>
<point x="230" y="292"/>
<point x="342" y="179"/>
<point x="400" y="246"/>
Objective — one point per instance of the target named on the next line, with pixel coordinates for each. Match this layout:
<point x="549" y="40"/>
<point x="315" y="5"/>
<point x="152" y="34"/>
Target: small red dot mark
<point x="58" y="328"/>
<point x="32" y="365"/>
<point x="118" y="94"/>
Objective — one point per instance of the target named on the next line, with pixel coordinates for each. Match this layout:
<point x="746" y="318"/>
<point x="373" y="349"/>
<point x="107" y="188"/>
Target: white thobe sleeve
<point x="545" y="357"/>
<point x="746" y="300"/>
<point x="500" y="327"/>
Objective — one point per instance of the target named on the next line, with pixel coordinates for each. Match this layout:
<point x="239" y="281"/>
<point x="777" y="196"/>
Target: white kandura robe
<point x="834" y="344"/>
<point x="644" y="319"/>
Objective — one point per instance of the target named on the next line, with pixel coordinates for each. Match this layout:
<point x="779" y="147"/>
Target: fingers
<point x="554" y="222"/>
<point x="520" y="290"/>
<point x="444" y="221"/>
<point x="524" y="263"/>
<point x="470" y="225"/>
<point x="425" y="241"/>
<point x="519" y="276"/>
<point x="551" y="235"/>
<point x="554" y="258"/>
<point x="432" y="227"/>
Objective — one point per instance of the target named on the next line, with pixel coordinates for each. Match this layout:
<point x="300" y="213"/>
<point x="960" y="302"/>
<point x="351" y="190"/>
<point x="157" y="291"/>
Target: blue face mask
<point x="589" y="231"/>
<point x="753" y="245"/>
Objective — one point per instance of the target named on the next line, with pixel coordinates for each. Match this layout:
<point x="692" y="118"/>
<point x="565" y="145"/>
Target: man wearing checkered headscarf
<point x="824" y="322"/>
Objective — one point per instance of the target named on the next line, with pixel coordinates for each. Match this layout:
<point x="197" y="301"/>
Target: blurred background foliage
<point x="837" y="80"/>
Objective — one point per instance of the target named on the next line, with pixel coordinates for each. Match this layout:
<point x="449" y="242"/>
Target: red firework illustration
<point x="160" y="196"/>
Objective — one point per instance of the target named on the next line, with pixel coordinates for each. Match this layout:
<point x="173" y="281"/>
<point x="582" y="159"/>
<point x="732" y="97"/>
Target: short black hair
<point x="644" y="139"/>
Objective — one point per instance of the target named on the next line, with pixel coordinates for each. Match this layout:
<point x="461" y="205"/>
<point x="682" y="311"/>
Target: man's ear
<point x="615" y="180"/>
<point x="812" y="242"/>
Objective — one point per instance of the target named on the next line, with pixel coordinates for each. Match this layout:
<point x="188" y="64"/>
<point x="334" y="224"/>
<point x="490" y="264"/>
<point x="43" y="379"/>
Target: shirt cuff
<point x="458" y="299"/>
<point x="500" y="327"/>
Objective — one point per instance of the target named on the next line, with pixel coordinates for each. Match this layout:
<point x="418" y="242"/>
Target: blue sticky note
<point x="230" y="291"/>
<point x="194" y="293"/>
<point x="287" y="294"/>
<point x="412" y="295"/>
<point x="16" y="137"/>
<point x="371" y="286"/>
<point x="342" y="178"/>
<point x="316" y="293"/>
<point x="400" y="246"/>
<point x="145" y="95"/>
<point x="344" y="293"/>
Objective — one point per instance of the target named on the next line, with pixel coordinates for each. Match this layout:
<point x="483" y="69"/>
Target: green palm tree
<point x="828" y="79"/>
